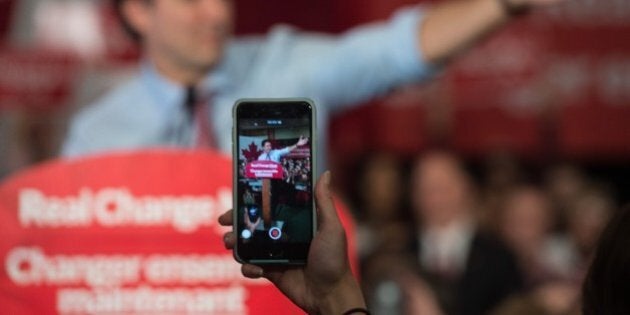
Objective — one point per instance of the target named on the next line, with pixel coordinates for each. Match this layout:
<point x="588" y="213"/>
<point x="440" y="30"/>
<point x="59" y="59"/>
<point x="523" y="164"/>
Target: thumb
<point x="326" y="213"/>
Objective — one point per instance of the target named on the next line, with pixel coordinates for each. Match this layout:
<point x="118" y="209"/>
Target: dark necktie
<point x="197" y="111"/>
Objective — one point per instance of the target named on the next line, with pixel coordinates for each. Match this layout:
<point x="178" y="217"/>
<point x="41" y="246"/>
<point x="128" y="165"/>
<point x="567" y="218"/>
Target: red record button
<point x="275" y="233"/>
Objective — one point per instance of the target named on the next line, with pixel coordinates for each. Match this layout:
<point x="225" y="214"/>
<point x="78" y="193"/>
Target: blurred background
<point x="538" y="117"/>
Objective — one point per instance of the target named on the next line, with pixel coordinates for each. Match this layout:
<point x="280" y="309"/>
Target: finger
<point x="251" y="271"/>
<point x="275" y="273"/>
<point x="226" y="219"/>
<point x="229" y="240"/>
<point x="326" y="212"/>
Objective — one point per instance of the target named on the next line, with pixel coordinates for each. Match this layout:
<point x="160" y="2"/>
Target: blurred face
<point x="525" y="220"/>
<point x="267" y="147"/>
<point x="440" y="192"/>
<point x="182" y="35"/>
<point x="381" y="189"/>
<point x="587" y="220"/>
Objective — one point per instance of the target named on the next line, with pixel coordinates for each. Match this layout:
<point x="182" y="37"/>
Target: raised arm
<point x="302" y="141"/>
<point x="452" y="26"/>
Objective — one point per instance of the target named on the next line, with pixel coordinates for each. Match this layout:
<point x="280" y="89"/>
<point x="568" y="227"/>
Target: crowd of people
<point x="505" y="241"/>
<point x="297" y="172"/>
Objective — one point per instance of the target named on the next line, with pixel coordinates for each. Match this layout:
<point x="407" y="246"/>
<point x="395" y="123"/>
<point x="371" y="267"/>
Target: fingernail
<point x="227" y="237"/>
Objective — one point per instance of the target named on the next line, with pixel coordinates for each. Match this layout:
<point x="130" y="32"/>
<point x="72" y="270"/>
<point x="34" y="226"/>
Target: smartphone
<point x="274" y="151"/>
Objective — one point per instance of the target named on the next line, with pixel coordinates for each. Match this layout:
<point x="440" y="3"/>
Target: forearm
<point x="454" y="25"/>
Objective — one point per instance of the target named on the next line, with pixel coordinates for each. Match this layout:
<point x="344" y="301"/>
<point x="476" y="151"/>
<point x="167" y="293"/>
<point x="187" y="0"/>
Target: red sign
<point x="34" y="78"/>
<point x="132" y="233"/>
<point x="264" y="169"/>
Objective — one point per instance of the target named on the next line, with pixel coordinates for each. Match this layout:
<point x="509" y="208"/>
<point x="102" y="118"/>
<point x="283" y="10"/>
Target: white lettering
<point x="192" y="269"/>
<point x="117" y="207"/>
<point x="38" y="210"/>
<point x="30" y="266"/>
<point x="147" y="300"/>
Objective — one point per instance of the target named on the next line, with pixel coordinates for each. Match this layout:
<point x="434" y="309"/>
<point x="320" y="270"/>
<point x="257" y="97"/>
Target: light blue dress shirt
<point x="334" y="71"/>
<point x="274" y="155"/>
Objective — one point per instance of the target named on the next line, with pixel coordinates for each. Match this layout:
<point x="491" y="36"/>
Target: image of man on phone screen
<point x="275" y="155"/>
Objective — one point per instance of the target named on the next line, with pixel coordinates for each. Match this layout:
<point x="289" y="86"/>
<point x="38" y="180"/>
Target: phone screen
<point x="274" y="180"/>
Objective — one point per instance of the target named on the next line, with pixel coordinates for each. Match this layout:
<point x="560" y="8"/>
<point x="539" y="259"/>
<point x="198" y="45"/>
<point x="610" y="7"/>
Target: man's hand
<point x="451" y="27"/>
<point x="302" y="141"/>
<point x="325" y="285"/>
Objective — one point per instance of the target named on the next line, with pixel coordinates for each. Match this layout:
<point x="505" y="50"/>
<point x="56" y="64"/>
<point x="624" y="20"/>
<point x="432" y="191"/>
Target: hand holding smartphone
<point x="325" y="284"/>
<point x="274" y="209"/>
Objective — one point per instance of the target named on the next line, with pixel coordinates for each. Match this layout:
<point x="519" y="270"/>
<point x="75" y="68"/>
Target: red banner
<point x="264" y="169"/>
<point x="130" y="233"/>
<point x="35" y="78"/>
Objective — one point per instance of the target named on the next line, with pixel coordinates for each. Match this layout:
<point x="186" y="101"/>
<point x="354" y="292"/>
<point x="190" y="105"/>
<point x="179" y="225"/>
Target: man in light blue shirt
<point x="188" y="44"/>
<point x="275" y="155"/>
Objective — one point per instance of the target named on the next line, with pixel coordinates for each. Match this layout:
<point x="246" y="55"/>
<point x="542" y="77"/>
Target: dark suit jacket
<point x="491" y="274"/>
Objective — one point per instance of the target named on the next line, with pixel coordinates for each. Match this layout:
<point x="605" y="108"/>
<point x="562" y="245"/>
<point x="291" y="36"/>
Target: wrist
<point x="346" y="295"/>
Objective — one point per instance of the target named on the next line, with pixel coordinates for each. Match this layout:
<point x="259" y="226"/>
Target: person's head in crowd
<point x="564" y="182"/>
<point x="525" y="220"/>
<point x="183" y="38"/>
<point x="380" y="187"/>
<point x="607" y="283"/>
<point x="587" y="216"/>
<point x="441" y="189"/>
<point x="501" y="172"/>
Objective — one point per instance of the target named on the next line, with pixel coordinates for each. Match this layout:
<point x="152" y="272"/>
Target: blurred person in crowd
<point x="556" y="277"/>
<point x="391" y="285"/>
<point x="382" y="224"/>
<point x="607" y="283"/>
<point x="525" y="223"/>
<point x="501" y="172"/>
<point x="384" y="236"/>
<point x="586" y="217"/>
<point x="193" y="69"/>
<point x="564" y="182"/>
<point x="471" y="271"/>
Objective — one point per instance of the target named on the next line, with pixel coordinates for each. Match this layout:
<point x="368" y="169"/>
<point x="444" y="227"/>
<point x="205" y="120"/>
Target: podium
<point x="127" y="233"/>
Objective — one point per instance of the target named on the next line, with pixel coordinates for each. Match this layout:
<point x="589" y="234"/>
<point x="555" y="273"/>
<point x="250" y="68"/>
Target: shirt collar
<point x="169" y="94"/>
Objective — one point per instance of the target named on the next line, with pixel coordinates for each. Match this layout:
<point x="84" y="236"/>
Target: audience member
<point x="470" y="271"/>
<point x="564" y="182"/>
<point x="380" y="192"/>
<point x="586" y="217"/>
<point x="392" y="286"/>
<point x="525" y="224"/>
<point x="501" y="172"/>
